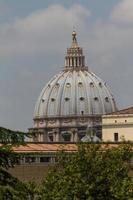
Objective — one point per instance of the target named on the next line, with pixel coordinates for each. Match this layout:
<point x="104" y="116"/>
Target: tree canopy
<point x="10" y="187"/>
<point x="94" y="172"/>
<point x="9" y="138"/>
<point x="13" y="137"/>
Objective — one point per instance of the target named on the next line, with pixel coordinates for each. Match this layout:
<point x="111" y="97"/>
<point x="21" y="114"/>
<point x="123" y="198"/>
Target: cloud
<point x="123" y="12"/>
<point x="4" y="8"/>
<point x="40" y="31"/>
<point x="31" y="48"/>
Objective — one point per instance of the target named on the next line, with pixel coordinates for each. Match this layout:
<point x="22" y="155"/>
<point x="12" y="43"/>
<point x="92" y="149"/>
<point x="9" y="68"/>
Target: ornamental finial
<point x="75" y="58"/>
<point x="74" y="39"/>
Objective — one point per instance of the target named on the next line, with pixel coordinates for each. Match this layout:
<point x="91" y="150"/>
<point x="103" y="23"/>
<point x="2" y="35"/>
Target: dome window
<point x="52" y="99"/>
<point x="81" y="98"/>
<point x="66" y="136"/>
<point x="57" y="84"/>
<point x="67" y="99"/>
<point x="43" y="100"/>
<point x="96" y="98"/>
<point x="49" y="85"/>
<point x="91" y="84"/>
<point x="100" y="84"/>
<point x="106" y="99"/>
<point x="82" y="112"/>
<point x="68" y="84"/>
<point x="80" y="84"/>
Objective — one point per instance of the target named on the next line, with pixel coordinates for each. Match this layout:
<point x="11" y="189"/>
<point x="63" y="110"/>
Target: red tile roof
<point x="39" y="147"/>
<point x="123" y="111"/>
<point x="52" y="148"/>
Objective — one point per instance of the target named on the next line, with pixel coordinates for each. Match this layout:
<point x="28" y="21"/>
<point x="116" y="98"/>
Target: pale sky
<point x="34" y="36"/>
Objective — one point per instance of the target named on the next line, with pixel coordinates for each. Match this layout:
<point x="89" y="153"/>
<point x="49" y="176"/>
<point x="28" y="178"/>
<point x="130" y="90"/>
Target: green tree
<point x="32" y="191"/>
<point x="94" y="172"/>
<point x="8" y="139"/>
<point x="10" y="187"/>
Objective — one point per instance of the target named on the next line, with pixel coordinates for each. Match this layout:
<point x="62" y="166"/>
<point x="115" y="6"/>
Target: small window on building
<point x="100" y="84"/>
<point x="18" y="161"/>
<point x="81" y="98"/>
<point x="67" y="99"/>
<point x="96" y="98"/>
<point x="125" y="120"/>
<point x="30" y="159"/>
<point x="91" y="84"/>
<point x="82" y="112"/>
<point x="116" y="137"/>
<point x="115" y="121"/>
<point x="106" y="99"/>
<point x="43" y="100"/>
<point x="44" y="159"/>
<point x="66" y="136"/>
<point x="52" y="99"/>
<point x="68" y="84"/>
<point x="51" y="138"/>
<point x="57" y="84"/>
<point x="80" y="83"/>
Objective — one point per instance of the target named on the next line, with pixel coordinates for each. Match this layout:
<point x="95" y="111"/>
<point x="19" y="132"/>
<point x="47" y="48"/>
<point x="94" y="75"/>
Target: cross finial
<point x="74" y="36"/>
<point x="74" y="39"/>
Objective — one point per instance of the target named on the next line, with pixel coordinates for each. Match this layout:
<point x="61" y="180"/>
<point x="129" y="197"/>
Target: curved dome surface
<point x="74" y="93"/>
<point x="75" y="90"/>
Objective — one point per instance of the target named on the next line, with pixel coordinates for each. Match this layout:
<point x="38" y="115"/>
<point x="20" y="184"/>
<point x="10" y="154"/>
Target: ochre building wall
<point x="121" y="124"/>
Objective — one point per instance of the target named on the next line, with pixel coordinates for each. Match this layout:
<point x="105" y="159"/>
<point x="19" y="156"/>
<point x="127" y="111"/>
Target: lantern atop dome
<point x="75" y="60"/>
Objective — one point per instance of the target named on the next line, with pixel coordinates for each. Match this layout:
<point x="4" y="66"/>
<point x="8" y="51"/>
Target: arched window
<point x="66" y="135"/>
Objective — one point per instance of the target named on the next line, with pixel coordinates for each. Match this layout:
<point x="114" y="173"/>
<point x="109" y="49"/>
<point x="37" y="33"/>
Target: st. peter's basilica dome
<point x="72" y="99"/>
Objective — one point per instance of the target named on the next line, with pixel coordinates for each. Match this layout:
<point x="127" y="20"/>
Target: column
<point x="76" y="136"/>
<point x="77" y="61"/>
<point x="74" y="61"/>
<point x="71" y="61"/>
<point x="57" y="136"/>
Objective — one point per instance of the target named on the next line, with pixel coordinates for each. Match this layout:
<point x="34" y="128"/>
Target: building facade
<point x="37" y="158"/>
<point x="71" y="100"/>
<point x="118" y="126"/>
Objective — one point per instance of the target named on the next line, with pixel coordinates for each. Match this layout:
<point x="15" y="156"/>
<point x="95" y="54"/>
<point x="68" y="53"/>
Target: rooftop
<point x="123" y="111"/>
<point x="53" y="148"/>
<point x="43" y="147"/>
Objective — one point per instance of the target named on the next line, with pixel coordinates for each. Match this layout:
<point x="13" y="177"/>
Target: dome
<point x="75" y="90"/>
<point x="71" y="100"/>
<point x="74" y="93"/>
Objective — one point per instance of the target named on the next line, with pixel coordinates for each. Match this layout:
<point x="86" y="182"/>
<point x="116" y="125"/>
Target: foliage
<point x="7" y="157"/>
<point x="10" y="188"/>
<point x="13" y="189"/>
<point x="93" y="173"/>
<point x="9" y="138"/>
<point x="32" y="191"/>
